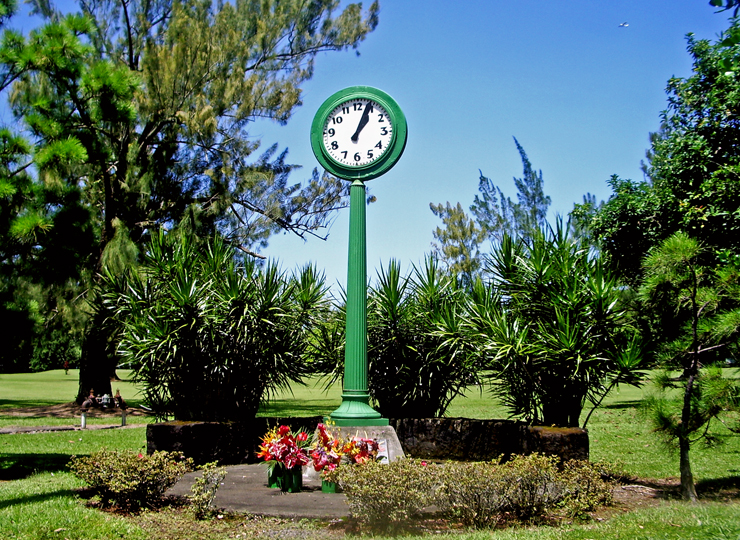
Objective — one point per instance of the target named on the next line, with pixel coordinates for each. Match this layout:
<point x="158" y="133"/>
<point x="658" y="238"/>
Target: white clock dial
<point x="358" y="132"/>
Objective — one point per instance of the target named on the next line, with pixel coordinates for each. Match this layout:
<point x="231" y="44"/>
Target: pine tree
<point x="497" y="214"/>
<point x="137" y="115"/>
<point x="457" y="244"/>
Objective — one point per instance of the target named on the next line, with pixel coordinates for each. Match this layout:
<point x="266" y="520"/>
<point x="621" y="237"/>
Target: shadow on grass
<point x="19" y="466"/>
<point x="632" y="404"/>
<point x="727" y="487"/>
<point x="293" y="408"/>
<point x="30" y="499"/>
<point x="23" y="403"/>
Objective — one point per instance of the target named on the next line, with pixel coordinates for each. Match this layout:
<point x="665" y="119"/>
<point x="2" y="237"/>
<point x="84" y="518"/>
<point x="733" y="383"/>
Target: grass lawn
<point x="36" y="506"/>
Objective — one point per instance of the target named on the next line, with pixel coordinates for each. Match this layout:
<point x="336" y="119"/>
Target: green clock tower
<point x="358" y="134"/>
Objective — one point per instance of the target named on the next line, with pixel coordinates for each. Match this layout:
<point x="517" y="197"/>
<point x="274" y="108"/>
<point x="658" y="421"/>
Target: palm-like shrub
<point x="418" y="360"/>
<point x="207" y="339"/>
<point x="557" y="337"/>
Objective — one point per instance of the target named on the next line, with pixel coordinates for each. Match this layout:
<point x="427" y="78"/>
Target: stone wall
<point x="429" y="438"/>
<point x="229" y="443"/>
<point x="466" y="439"/>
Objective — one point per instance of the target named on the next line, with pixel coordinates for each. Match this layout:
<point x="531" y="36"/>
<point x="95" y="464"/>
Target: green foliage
<point x="418" y="357"/>
<point x="553" y="328"/>
<point x="204" y="488"/>
<point x="129" y="479"/>
<point x="135" y="117"/>
<point x="386" y="495"/>
<point x="458" y="242"/>
<point x="480" y="494"/>
<point x="692" y="167"/>
<point x="207" y="339"/>
<point x="709" y="306"/>
<point x="494" y="216"/>
<point x="527" y="488"/>
<point x="497" y="215"/>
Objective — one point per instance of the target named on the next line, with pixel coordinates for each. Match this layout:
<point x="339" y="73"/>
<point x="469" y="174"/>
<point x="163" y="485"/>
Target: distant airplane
<point x="624" y="25"/>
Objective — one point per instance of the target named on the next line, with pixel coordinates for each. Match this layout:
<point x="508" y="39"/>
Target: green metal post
<point x="355" y="409"/>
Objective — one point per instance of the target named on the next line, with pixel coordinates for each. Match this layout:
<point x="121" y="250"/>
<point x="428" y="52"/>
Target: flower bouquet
<point x="330" y="450"/>
<point x="285" y="454"/>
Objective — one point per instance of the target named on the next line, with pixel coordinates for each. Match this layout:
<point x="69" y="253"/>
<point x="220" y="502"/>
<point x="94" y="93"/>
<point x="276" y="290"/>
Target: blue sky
<point x="579" y="92"/>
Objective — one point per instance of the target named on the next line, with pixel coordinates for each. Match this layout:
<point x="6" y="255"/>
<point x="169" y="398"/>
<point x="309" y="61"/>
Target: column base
<point x="355" y="411"/>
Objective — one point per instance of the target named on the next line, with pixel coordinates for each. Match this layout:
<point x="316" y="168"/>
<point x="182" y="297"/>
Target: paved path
<point x="245" y="490"/>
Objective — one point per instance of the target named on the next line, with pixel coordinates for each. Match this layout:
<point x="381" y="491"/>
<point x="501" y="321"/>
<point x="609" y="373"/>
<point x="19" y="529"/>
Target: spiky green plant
<point x="207" y="339"/>
<point x="557" y="336"/>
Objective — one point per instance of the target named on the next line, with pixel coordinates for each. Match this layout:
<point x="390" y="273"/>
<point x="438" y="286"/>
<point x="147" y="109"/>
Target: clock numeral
<point x="334" y="145"/>
<point x="345" y="110"/>
<point x="336" y="120"/>
<point x="384" y="130"/>
<point x="380" y="118"/>
<point x="358" y="106"/>
<point x="379" y="145"/>
<point x="369" y="154"/>
<point x="357" y="156"/>
<point x="332" y="132"/>
<point x="345" y="154"/>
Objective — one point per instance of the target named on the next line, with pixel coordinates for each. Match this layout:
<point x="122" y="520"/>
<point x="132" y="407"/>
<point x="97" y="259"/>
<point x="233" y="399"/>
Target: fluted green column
<point x="355" y="409"/>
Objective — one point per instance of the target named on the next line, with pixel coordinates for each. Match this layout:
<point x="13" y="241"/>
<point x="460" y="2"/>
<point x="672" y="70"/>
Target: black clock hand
<point x="363" y="122"/>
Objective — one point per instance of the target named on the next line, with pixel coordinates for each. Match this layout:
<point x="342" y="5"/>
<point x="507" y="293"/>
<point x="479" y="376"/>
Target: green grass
<point x="34" y="507"/>
<point x="53" y="387"/>
<point x="25" y="453"/>
<point x="45" y="506"/>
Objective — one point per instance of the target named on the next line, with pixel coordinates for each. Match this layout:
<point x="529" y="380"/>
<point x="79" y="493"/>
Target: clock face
<point x="357" y="132"/>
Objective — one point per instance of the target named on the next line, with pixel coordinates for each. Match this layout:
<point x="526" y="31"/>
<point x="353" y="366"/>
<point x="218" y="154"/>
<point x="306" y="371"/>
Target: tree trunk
<point x="96" y="371"/>
<point x="688" y="490"/>
<point x="563" y="413"/>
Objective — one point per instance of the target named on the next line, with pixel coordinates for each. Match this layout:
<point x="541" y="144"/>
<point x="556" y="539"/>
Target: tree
<point x="692" y="167"/>
<point x="553" y="329"/>
<point x="498" y="215"/>
<point x="726" y="5"/>
<point x="709" y="302"/>
<point x="458" y="242"/>
<point x="582" y="216"/>
<point x="207" y="339"/>
<point x="138" y="117"/>
<point x="495" y="215"/>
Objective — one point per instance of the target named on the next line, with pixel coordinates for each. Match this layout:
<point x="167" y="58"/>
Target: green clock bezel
<point x="386" y="161"/>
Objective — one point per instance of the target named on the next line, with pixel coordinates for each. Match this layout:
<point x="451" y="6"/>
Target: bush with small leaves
<point x="587" y="485"/>
<point x="386" y="495"/>
<point x="204" y="489"/>
<point x="128" y="479"/>
<point x="524" y="489"/>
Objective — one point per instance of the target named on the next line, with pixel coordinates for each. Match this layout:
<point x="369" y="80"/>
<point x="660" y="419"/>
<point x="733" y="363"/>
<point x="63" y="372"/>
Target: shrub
<point x="386" y="494"/>
<point x="523" y="489"/>
<point x="587" y="485"/>
<point x="204" y="489"/>
<point x="129" y="479"/>
<point x="418" y="356"/>
<point x="192" y="322"/>
<point x="482" y="494"/>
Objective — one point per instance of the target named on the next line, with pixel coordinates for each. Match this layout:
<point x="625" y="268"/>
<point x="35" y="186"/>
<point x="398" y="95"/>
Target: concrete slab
<point x="245" y="490"/>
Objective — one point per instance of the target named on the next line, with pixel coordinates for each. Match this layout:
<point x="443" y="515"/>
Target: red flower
<point x="302" y="436"/>
<point x="283" y="431"/>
